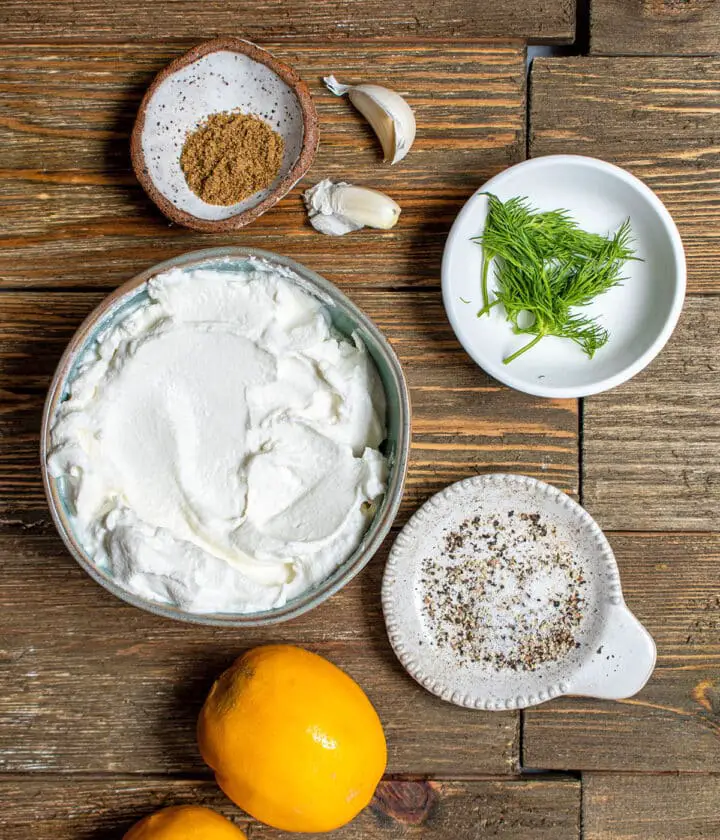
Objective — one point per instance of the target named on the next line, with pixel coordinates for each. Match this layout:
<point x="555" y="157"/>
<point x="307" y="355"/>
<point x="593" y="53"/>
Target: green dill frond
<point x="546" y="266"/>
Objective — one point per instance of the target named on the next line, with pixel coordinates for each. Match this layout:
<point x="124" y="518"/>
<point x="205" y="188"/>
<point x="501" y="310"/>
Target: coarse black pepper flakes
<point x="505" y="592"/>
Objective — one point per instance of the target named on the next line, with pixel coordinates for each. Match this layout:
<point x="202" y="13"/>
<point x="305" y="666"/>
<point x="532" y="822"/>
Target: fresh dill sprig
<point x="545" y="266"/>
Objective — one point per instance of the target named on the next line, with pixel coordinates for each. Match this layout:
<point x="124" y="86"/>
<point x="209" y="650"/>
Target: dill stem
<point x="484" y="286"/>
<point x="486" y="309"/>
<point x="524" y="349"/>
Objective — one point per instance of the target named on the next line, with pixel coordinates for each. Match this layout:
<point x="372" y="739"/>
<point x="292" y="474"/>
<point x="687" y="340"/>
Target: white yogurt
<point x="220" y="444"/>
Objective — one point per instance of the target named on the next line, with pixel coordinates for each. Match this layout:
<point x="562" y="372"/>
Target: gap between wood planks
<point x="278" y="42"/>
<point x="101" y="288"/>
<point x="580" y="46"/>
<point x="529" y="775"/>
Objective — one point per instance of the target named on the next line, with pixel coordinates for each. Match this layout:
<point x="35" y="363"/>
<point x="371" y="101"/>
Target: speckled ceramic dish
<point x="346" y="318"/>
<point x="227" y="74"/>
<point x="501" y="592"/>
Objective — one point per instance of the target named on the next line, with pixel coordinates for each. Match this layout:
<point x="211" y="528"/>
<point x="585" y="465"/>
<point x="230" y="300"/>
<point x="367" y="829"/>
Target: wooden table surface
<point x="98" y="700"/>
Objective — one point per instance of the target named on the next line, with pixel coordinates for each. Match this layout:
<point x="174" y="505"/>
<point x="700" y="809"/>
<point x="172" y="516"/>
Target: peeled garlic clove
<point x="337" y="209"/>
<point x="387" y="112"/>
<point x="367" y="207"/>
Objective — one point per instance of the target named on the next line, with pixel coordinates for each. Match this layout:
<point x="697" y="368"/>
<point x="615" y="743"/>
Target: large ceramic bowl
<point x="346" y="318"/>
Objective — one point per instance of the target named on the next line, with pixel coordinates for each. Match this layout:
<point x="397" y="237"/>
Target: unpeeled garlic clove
<point x="337" y="209"/>
<point x="387" y="112"/>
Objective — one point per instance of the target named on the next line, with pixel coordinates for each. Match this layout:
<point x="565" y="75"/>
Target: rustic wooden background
<point x="98" y="700"/>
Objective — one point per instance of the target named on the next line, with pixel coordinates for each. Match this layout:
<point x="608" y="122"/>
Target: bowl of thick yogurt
<point x="225" y="440"/>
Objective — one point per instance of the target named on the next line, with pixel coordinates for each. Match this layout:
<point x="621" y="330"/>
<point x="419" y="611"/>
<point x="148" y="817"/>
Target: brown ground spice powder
<point x="230" y="157"/>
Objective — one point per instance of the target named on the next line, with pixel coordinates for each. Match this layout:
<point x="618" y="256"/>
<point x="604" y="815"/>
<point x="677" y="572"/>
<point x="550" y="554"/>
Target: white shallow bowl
<point x="616" y="654"/>
<point x="640" y="315"/>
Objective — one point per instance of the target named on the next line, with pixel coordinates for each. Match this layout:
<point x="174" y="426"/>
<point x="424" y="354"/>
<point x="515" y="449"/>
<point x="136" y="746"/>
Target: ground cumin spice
<point x="230" y="156"/>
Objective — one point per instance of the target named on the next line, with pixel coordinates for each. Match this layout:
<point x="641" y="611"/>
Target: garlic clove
<point x="388" y="113"/>
<point x="367" y="207"/>
<point x="337" y="209"/>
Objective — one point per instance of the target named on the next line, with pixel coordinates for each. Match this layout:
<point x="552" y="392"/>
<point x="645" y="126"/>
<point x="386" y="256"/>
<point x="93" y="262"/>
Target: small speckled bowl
<point x="444" y="633"/>
<point x="226" y="74"/>
<point x="345" y="317"/>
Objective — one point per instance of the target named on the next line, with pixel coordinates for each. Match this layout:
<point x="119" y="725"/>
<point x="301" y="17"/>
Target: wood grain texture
<point x="73" y="214"/>
<point x="650" y="807"/>
<point x="655" y="27"/>
<point x="506" y="810"/>
<point x="464" y="423"/>
<point x="671" y="583"/>
<point x="657" y="117"/>
<point x="135" y="20"/>
<point x="93" y="685"/>
<point x="69" y="694"/>
<point x="652" y="446"/>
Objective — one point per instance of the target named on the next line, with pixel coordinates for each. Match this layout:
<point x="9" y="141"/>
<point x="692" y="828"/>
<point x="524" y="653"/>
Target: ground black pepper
<point x="507" y="593"/>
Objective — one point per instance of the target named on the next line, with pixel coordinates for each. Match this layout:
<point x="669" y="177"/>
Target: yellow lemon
<point x="293" y="740"/>
<point x="185" y="822"/>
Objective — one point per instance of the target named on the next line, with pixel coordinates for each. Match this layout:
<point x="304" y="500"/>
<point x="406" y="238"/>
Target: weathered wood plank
<point x="670" y="582"/>
<point x="102" y="20"/>
<point x="74" y="215"/>
<point x="91" y="684"/>
<point x="657" y="117"/>
<point x="63" y="809"/>
<point x="464" y="422"/>
<point x="652" y="446"/>
<point x="655" y="27"/>
<point x="650" y="807"/>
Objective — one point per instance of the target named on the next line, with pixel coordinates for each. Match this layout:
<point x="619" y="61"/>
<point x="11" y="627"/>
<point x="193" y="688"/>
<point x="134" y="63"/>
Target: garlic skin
<point x="387" y="112"/>
<point x="339" y="208"/>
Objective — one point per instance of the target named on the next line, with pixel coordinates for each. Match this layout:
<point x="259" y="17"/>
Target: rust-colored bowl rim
<point x="311" y="135"/>
<point x="401" y="433"/>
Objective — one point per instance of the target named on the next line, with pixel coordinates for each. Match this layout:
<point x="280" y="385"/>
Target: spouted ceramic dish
<point x="501" y="592"/>
<point x="222" y="76"/>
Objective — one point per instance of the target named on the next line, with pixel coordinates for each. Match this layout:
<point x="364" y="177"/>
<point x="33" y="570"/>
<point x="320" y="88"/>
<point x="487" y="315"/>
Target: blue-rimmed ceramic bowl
<point x="346" y="318"/>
